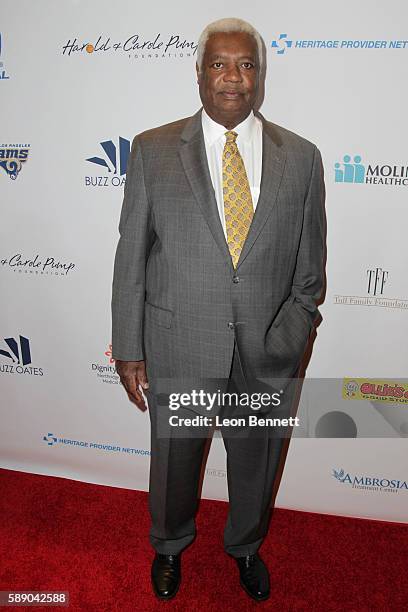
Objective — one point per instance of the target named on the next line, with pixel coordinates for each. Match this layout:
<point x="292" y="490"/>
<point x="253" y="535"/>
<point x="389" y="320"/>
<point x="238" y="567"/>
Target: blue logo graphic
<point x="20" y="350"/>
<point x="3" y="74"/>
<point x="50" y="439"/>
<point x="350" y="171"/>
<point x="281" y="44"/>
<point x="117" y="166"/>
<point x="370" y="483"/>
<point x="12" y="158"/>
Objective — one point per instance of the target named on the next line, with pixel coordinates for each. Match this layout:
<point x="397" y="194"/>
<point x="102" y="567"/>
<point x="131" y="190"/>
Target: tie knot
<point x="231" y="136"/>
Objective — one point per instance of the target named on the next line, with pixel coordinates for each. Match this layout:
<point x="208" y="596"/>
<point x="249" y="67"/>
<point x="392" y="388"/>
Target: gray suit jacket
<point x="177" y="301"/>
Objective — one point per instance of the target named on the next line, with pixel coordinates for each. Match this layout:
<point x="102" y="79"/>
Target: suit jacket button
<point x="235" y="279"/>
<point x="231" y="325"/>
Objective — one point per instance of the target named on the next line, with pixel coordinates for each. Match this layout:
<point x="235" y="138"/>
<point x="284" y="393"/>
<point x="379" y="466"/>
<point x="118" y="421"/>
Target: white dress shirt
<point x="249" y="142"/>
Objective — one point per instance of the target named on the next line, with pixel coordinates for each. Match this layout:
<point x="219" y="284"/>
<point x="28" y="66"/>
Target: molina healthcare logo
<point x="15" y="357"/>
<point x="135" y="46"/>
<point x="3" y="74"/>
<point x="12" y="158"/>
<point x="370" y="483"/>
<point x="352" y="170"/>
<point x="113" y="162"/>
<point x="52" y="440"/>
<point x="283" y="43"/>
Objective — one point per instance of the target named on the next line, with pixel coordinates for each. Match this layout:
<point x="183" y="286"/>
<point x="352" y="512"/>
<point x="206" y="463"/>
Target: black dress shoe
<point x="254" y="576"/>
<point x="166" y="575"/>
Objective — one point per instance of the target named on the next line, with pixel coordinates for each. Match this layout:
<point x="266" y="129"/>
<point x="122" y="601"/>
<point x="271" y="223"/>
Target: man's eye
<point x="248" y="65"/>
<point x="217" y="65"/>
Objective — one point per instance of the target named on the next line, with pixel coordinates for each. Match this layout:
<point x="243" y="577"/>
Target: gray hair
<point x="230" y="24"/>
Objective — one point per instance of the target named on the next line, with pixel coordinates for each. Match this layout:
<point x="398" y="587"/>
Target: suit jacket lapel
<point x="194" y="159"/>
<point x="273" y="163"/>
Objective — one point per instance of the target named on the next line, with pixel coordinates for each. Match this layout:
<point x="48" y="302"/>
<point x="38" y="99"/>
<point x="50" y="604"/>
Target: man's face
<point x="229" y="78"/>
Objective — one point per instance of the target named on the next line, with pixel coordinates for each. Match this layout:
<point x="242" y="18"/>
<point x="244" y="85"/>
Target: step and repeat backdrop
<point x="77" y="81"/>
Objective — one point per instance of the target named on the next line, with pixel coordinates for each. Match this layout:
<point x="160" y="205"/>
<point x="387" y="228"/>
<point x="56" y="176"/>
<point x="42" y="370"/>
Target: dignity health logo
<point x="370" y="483"/>
<point x="282" y="43"/>
<point x="352" y="170"/>
<point x="114" y="162"/>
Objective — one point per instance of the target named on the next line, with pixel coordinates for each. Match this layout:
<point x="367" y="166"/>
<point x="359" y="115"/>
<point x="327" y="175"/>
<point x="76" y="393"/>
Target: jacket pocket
<point x="158" y="315"/>
<point x="283" y="310"/>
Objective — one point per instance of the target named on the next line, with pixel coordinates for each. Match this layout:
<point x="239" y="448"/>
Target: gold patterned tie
<point x="238" y="207"/>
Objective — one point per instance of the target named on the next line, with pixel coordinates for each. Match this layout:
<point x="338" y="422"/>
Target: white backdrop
<point x="336" y="75"/>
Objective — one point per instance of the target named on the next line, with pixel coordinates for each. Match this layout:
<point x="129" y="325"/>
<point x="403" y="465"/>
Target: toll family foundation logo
<point x="106" y="372"/>
<point x="37" y="265"/>
<point x="352" y="170"/>
<point x="12" y="158"/>
<point x="135" y="46"/>
<point x="370" y="482"/>
<point x="283" y="42"/>
<point x="15" y="357"/>
<point x="51" y="439"/>
<point x="377" y="282"/>
<point x="113" y="162"/>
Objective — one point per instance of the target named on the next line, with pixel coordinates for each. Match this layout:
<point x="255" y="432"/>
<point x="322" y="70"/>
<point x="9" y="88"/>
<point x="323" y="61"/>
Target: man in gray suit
<point x="217" y="274"/>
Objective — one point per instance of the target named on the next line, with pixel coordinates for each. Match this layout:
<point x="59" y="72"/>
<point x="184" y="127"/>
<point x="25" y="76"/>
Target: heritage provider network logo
<point x="283" y="43"/>
<point x="52" y="440"/>
<point x="352" y="170"/>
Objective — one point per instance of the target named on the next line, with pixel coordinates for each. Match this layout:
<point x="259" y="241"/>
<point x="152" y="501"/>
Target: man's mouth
<point x="231" y="95"/>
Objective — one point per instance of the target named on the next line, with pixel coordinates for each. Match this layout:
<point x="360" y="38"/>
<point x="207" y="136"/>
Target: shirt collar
<point x="213" y="130"/>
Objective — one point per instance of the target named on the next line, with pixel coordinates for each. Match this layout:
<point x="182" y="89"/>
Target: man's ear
<point x="198" y="73"/>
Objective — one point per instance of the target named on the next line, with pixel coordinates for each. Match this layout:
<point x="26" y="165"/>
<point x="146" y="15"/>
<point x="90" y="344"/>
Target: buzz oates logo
<point x="51" y="439"/>
<point x="377" y="280"/>
<point x="370" y="483"/>
<point x="37" y="265"/>
<point x="12" y="158"/>
<point x="106" y="372"/>
<point x="113" y="162"/>
<point x="15" y="357"/>
<point x="136" y="46"/>
<point x="353" y="170"/>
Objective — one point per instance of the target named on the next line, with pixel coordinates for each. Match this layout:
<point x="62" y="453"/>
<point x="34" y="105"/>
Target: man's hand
<point x="132" y="374"/>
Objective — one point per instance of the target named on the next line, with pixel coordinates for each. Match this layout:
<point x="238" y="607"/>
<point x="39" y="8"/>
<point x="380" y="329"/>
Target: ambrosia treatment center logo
<point x="135" y="46"/>
<point x="370" y="483"/>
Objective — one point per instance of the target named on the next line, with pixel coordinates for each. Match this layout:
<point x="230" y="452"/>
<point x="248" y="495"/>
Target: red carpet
<point x="90" y="540"/>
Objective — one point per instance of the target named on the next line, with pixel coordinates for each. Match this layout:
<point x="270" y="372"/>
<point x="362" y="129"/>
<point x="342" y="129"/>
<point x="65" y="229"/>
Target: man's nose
<point x="232" y="73"/>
